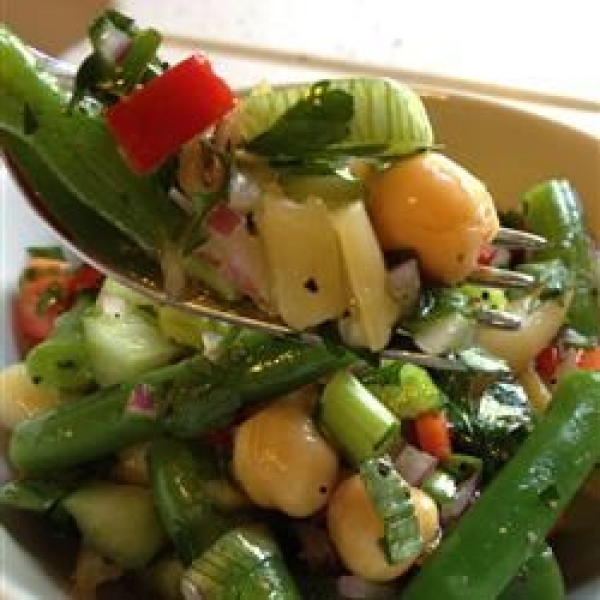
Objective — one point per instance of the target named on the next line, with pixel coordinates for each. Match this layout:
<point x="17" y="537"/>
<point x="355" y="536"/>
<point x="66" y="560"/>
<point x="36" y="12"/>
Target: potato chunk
<point x="304" y="261"/>
<point x="372" y="310"/>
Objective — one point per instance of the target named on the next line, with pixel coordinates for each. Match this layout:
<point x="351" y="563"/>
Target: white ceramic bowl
<point x="508" y="148"/>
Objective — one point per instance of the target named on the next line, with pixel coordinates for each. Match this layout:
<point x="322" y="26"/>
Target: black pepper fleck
<point x="251" y="223"/>
<point x="383" y="468"/>
<point x="311" y="285"/>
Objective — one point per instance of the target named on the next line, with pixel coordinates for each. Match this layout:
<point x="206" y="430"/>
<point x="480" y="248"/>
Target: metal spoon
<point x="142" y="275"/>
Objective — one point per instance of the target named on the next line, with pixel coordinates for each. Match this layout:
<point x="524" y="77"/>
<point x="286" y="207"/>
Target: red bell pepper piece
<point x="156" y="119"/>
<point x="85" y="278"/>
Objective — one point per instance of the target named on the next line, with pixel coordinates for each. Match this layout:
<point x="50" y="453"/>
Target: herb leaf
<point x="388" y="119"/>
<point x="490" y="423"/>
<point x="310" y="125"/>
<point x="552" y="275"/>
<point x="109" y="74"/>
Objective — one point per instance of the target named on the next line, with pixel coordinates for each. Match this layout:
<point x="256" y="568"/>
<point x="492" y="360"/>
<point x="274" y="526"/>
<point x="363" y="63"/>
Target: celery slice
<point x="391" y="499"/>
<point x="243" y="563"/>
<point x="389" y="117"/>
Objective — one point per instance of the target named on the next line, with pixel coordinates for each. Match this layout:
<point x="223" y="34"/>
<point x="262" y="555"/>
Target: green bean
<point x="197" y="394"/>
<point x="94" y="426"/>
<point x="179" y="477"/>
<point x="260" y="366"/>
<point x="256" y="367"/>
<point x="62" y="361"/>
<point x="553" y="210"/>
<point x="498" y="534"/>
<point x="540" y="578"/>
<point x="202" y="411"/>
<point x="33" y="495"/>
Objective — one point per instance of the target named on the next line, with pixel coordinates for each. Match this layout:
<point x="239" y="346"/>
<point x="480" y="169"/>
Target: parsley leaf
<point x="552" y="275"/>
<point x="309" y="126"/>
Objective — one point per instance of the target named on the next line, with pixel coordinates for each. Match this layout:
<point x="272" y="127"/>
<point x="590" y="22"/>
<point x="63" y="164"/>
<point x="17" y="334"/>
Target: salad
<point x="197" y="459"/>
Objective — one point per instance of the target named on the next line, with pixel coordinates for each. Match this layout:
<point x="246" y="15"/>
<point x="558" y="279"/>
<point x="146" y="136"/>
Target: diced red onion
<point x="244" y="192"/>
<point x="414" y="464"/>
<point x="568" y="363"/>
<point x="111" y="305"/>
<point x="502" y="257"/>
<point x="114" y="45"/>
<point x="189" y="590"/>
<point x="223" y="220"/>
<point x="141" y="401"/>
<point x="240" y="258"/>
<point x="352" y="586"/>
<point x="405" y="283"/>
<point x="465" y="495"/>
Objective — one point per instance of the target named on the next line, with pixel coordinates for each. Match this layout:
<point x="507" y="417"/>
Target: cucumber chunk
<point x="118" y="521"/>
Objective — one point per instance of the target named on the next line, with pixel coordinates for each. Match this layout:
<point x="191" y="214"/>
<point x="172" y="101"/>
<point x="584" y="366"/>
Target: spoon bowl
<point x="100" y="244"/>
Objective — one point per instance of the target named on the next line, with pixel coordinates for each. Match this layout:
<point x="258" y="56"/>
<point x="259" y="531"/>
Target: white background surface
<point x="549" y="47"/>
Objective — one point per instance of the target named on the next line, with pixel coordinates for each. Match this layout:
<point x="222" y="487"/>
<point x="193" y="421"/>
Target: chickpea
<point x="20" y="398"/>
<point x="428" y="515"/>
<point x="356" y="530"/>
<point x="280" y="459"/>
<point x="432" y="205"/>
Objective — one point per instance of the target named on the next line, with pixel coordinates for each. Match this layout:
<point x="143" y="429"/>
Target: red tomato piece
<point x="223" y="220"/>
<point x="589" y="359"/>
<point x="158" y="118"/>
<point x="547" y="362"/>
<point x="85" y="278"/>
<point x="433" y="434"/>
<point x="39" y="302"/>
